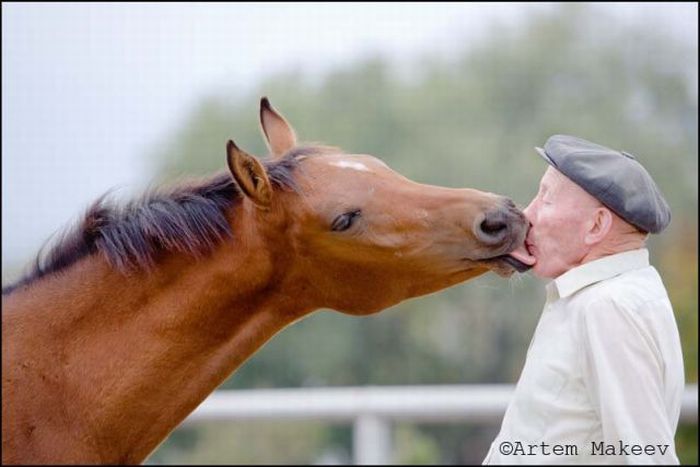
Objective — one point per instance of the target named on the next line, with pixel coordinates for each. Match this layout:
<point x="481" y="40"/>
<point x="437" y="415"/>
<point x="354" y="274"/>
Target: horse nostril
<point x="493" y="227"/>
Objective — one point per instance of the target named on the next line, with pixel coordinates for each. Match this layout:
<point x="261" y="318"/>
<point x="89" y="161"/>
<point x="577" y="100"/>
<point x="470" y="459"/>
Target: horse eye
<point x="344" y="221"/>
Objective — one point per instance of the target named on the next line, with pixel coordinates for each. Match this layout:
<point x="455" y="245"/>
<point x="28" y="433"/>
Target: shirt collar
<point x="595" y="271"/>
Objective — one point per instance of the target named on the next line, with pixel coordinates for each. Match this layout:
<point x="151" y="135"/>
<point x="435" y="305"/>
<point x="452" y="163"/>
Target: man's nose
<point x="528" y="211"/>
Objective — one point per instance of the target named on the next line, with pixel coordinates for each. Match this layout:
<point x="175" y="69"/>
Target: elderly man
<point x="603" y="377"/>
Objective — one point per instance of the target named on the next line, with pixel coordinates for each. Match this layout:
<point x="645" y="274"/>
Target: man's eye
<point x="344" y="221"/>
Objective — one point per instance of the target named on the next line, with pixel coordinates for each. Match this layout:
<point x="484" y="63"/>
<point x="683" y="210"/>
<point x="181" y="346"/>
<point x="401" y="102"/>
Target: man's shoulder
<point x="632" y="307"/>
<point x="630" y="290"/>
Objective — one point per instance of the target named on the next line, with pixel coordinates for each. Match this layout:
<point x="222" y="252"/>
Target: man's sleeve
<point x="623" y="371"/>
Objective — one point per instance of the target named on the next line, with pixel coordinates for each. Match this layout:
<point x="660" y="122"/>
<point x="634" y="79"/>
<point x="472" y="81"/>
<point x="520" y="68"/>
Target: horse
<point x="142" y="309"/>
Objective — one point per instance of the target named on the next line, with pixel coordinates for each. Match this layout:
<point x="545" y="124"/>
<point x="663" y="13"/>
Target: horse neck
<point x="133" y="355"/>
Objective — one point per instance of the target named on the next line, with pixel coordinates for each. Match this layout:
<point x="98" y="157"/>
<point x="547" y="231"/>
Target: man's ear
<point x="250" y="175"/>
<point x="279" y="135"/>
<point x="601" y="225"/>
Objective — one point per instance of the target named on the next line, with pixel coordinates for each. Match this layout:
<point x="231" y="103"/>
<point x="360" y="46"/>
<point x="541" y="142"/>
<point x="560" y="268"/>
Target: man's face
<point x="559" y="214"/>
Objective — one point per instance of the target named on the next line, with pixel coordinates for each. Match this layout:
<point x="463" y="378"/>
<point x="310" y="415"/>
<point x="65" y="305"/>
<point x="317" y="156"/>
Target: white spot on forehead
<point x="351" y="165"/>
<point x="374" y="160"/>
<point x="381" y="162"/>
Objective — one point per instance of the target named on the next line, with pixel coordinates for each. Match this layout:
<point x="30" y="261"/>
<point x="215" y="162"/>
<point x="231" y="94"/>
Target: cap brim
<point x="544" y="155"/>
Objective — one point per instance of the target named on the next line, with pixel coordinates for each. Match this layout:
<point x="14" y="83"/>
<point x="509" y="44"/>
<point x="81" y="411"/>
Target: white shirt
<point x="603" y="378"/>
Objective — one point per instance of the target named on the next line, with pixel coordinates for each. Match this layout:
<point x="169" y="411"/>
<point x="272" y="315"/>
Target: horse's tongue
<point x="524" y="256"/>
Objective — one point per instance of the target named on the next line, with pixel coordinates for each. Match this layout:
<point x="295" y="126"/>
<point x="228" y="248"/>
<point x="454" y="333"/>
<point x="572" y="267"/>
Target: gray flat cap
<point x="615" y="178"/>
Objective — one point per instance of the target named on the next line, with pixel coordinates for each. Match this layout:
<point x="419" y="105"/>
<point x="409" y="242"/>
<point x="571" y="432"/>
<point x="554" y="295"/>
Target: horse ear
<point x="250" y="175"/>
<point x="279" y="134"/>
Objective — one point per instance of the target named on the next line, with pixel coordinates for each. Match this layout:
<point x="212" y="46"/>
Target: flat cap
<point x="613" y="177"/>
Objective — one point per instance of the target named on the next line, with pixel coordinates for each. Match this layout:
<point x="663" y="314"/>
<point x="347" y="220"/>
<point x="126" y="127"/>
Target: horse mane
<point x="189" y="218"/>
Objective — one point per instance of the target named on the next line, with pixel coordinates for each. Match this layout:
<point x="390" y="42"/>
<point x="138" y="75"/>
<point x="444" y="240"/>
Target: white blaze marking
<point x="351" y="165"/>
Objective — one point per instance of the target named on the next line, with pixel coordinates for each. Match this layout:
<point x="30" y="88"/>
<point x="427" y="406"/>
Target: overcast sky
<point x="90" y="89"/>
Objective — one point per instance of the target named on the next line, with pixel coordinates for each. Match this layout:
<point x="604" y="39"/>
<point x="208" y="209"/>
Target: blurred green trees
<point x="469" y="122"/>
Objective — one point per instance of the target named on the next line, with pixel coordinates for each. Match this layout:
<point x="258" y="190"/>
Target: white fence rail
<point x="371" y="409"/>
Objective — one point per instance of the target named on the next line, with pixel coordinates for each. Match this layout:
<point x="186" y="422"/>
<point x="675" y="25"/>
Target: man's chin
<point x="535" y="271"/>
<point x="541" y="272"/>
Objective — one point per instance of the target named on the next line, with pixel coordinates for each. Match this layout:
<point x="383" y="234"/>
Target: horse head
<point x="361" y="237"/>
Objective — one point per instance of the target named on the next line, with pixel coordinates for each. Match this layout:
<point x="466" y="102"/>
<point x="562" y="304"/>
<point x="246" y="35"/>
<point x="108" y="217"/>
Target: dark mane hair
<point x="189" y="218"/>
